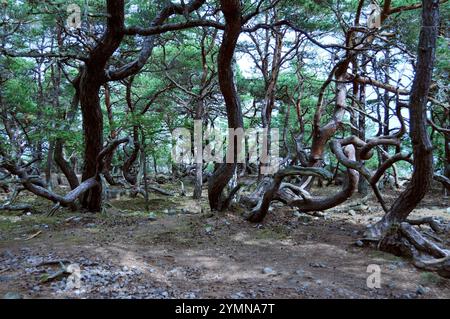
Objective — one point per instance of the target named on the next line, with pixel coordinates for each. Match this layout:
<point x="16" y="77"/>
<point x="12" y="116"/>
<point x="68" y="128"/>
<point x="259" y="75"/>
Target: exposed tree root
<point x="405" y="240"/>
<point x="445" y="181"/>
<point x="69" y="199"/>
<point x="16" y="207"/>
<point x="271" y="191"/>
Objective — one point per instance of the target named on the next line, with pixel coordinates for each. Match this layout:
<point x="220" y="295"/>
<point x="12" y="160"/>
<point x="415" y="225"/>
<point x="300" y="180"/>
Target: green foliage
<point x="165" y="93"/>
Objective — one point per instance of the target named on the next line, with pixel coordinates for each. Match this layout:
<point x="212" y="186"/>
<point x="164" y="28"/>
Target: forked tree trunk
<point x="92" y="78"/>
<point x="422" y="147"/>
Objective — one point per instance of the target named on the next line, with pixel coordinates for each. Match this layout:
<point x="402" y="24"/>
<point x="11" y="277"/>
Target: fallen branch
<point x="16" y="207"/>
<point x="443" y="180"/>
<point x="161" y="191"/>
<point x="34" y="235"/>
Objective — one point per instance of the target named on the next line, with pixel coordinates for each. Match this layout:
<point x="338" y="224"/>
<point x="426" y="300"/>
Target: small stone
<point x="448" y="210"/>
<point x="151" y="217"/>
<point x="319" y="214"/>
<point x="359" y="243"/>
<point x="165" y="294"/>
<point x="421" y="290"/>
<point x="352" y="212"/>
<point x="172" y="212"/>
<point x="12" y="295"/>
<point x="208" y="229"/>
<point x="238" y="295"/>
<point x="190" y="295"/>
<point x="268" y="271"/>
<point x="364" y="208"/>
<point x="392" y="266"/>
<point x="305" y="218"/>
<point x="318" y="265"/>
<point x="319" y="282"/>
<point x="305" y="285"/>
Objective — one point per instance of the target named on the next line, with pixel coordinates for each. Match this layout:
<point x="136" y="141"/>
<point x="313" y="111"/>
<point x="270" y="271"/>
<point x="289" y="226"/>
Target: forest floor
<point x="182" y="250"/>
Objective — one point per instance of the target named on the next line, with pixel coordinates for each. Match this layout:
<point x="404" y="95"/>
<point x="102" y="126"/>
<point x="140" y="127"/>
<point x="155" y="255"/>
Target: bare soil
<point x="188" y="252"/>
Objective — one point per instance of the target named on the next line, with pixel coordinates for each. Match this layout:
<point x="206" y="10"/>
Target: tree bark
<point x="422" y="147"/>
<point x="64" y="165"/>
<point x="92" y="78"/>
<point x="233" y="15"/>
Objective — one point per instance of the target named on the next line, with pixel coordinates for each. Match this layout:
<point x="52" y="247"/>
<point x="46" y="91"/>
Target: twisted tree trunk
<point x="422" y="147"/>
<point x="92" y="78"/>
<point x="233" y="16"/>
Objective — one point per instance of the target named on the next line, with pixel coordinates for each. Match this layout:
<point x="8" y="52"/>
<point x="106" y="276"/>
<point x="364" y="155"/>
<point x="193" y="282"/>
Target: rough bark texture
<point x="92" y="78"/>
<point x="232" y="12"/>
<point x="422" y="147"/>
<point x="64" y="165"/>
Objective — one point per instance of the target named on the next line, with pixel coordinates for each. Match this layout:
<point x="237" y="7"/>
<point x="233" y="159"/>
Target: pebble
<point x="421" y="290"/>
<point x="172" y="212"/>
<point x="190" y="295"/>
<point x="238" y="295"/>
<point x="359" y="243"/>
<point x="12" y="295"/>
<point x="351" y="212"/>
<point x="300" y="272"/>
<point x="319" y="214"/>
<point x="268" y="271"/>
<point x="392" y="266"/>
